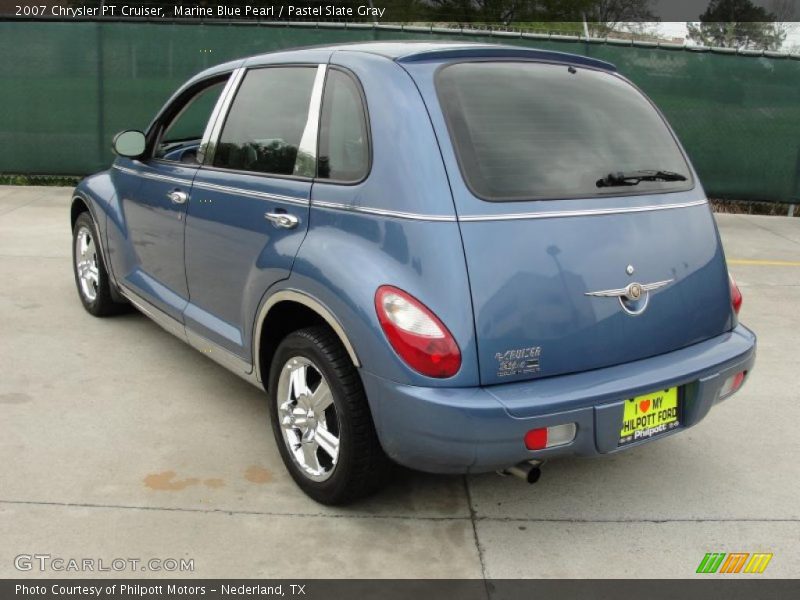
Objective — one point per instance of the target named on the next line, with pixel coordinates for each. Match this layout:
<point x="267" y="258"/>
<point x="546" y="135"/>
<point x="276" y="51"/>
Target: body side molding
<point x="217" y="353"/>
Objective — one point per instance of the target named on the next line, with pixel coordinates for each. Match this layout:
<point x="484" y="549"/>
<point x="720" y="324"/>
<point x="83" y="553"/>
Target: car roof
<point x="419" y="51"/>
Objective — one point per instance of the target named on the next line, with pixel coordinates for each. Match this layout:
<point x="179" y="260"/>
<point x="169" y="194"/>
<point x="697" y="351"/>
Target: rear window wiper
<point x="634" y="177"/>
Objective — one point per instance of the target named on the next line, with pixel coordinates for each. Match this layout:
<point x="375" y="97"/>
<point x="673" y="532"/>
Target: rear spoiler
<point x="478" y="51"/>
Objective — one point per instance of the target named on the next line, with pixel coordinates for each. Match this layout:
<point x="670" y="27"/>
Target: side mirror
<point x="130" y="143"/>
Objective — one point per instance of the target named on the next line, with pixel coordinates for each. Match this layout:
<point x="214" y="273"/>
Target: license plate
<point x="649" y="415"/>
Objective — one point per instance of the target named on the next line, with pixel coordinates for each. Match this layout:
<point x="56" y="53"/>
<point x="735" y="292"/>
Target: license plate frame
<point x="651" y="415"/>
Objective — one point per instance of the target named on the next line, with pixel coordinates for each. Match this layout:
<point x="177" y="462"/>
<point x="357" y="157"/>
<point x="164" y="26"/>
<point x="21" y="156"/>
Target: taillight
<point x="736" y="295"/>
<point x="416" y="334"/>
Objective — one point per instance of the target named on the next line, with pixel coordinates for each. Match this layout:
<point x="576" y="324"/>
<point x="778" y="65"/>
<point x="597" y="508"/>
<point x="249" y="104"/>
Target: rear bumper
<point x="459" y="430"/>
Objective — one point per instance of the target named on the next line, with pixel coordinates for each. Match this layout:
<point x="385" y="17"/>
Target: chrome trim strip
<point x="381" y="212"/>
<point x="217" y="188"/>
<point x="205" y="154"/>
<point x="224" y="357"/>
<point x="155" y="176"/>
<point x="301" y="298"/>
<point x="581" y="213"/>
<point x="214" y="351"/>
<point x="219" y="354"/>
<point x="306" y="161"/>
<point x="161" y="318"/>
<point x="291" y="199"/>
<point x="253" y="193"/>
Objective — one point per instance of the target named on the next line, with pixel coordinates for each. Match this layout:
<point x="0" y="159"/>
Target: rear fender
<point x="347" y="256"/>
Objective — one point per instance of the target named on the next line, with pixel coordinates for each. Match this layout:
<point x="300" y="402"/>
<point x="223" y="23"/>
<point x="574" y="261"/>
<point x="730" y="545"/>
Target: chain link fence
<point x="68" y="87"/>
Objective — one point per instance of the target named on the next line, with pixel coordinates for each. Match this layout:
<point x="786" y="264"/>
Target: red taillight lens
<point x="736" y="295"/>
<point x="536" y="439"/>
<point x="416" y="334"/>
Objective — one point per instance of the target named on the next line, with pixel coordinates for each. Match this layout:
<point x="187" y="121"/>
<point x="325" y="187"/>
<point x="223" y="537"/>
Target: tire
<point x="91" y="276"/>
<point x="303" y="415"/>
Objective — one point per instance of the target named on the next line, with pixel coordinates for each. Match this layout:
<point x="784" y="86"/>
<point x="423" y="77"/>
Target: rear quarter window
<point x="534" y="131"/>
<point x="343" y="135"/>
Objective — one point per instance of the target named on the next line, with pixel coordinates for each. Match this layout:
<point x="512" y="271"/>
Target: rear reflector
<point x="547" y="437"/>
<point x="732" y="384"/>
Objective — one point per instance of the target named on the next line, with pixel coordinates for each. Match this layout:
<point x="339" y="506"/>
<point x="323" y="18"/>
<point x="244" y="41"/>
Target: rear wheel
<point x="91" y="277"/>
<point x="321" y="419"/>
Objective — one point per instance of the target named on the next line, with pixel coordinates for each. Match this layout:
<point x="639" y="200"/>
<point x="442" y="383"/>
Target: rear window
<point x="533" y="131"/>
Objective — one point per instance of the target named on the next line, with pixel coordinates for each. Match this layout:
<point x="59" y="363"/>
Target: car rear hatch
<point x="571" y="268"/>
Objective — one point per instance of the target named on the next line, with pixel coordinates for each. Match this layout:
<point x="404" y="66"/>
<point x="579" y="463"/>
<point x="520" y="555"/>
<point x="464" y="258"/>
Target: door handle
<point x="284" y="220"/>
<point x="178" y="197"/>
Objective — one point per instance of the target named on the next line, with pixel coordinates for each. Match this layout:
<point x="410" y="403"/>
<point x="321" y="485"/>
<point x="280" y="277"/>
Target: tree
<point x="738" y="24"/>
<point x="605" y="16"/>
<point x="785" y="12"/>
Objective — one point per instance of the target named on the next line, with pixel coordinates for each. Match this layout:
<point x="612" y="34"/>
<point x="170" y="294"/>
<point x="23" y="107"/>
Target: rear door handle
<point x="284" y="220"/>
<point x="178" y="197"/>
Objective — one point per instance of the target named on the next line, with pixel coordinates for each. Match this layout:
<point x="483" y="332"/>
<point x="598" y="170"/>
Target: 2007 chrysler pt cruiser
<point x="457" y="257"/>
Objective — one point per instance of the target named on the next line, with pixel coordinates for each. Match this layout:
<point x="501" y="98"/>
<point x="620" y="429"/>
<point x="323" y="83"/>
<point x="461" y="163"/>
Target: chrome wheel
<point x="308" y="420"/>
<point x="86" y="263"/>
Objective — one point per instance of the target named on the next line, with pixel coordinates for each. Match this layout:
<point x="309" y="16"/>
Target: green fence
<point x="66" y="88"/>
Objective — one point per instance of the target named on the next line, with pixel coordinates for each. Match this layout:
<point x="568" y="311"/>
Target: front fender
<point x="98" y="194"/>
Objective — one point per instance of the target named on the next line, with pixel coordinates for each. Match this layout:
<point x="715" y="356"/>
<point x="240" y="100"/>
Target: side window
<point x="343" y="138"/>
<point x="181" y="138"/>
<point x="266" y="122"/>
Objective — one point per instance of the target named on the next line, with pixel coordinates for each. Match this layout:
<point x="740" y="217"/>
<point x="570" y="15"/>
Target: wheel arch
<point x="79" y="205"/>
<point x="286" y="311"/>
<point x="83" y="203"/>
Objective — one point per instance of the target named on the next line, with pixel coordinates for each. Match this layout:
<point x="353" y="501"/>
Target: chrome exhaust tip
<point x="528" y="470"/>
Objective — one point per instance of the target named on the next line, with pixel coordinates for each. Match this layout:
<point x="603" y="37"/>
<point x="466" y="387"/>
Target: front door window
<point x="182" y="133"/>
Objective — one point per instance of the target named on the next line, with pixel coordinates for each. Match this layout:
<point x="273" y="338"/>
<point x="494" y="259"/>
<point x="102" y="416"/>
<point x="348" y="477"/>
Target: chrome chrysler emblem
<point x="634" y="297"/>
<point x="633" y="291"/>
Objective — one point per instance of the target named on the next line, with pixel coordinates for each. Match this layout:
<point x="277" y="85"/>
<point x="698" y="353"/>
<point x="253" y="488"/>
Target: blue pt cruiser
<point x="458" y="257"/>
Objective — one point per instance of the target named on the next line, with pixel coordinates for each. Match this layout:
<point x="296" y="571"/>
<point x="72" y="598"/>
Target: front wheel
<point x="91" y="277"/>
<point x="321" y="419"/>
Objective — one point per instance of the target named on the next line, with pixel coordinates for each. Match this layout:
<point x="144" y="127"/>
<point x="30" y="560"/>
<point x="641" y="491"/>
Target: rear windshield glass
<point x="532" y="131"/>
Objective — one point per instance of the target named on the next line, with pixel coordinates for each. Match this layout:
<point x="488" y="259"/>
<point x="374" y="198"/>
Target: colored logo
<point x="734" y="562"/>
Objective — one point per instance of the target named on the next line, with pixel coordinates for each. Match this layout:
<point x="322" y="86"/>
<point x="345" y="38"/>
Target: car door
<point x="153" y="194"/>
<point x="249" y="208"/>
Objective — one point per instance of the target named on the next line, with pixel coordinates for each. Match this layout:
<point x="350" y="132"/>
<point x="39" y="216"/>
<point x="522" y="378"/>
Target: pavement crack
<point x="775" y="233"/>
<point x="473" y="517"/>
<point x="232" y="512"/>
<point x="474" y="520"/>
<point x="37" y="256"/>
<point x="10" y="210"/>
<point x="633" y="521"/>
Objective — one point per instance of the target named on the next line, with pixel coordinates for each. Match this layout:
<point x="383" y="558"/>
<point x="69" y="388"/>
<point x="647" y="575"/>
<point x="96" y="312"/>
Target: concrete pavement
<point x="118" y="440"/>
